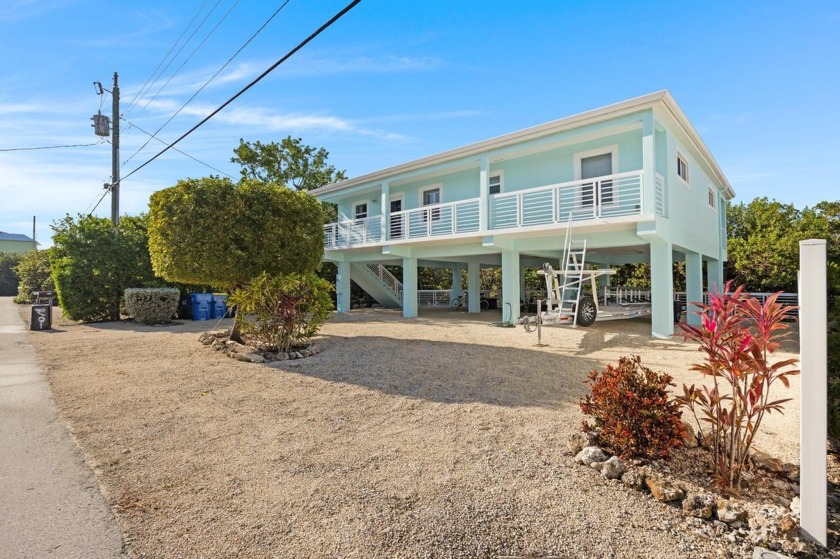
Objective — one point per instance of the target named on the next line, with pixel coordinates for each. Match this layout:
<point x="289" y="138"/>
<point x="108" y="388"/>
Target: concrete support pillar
<point x="510" y="285"/>
<point x="484" y="193"/>
<point x="342" y="286"/>
<point x="474" y="287"/>
<point x="693" y="286"/>
<point x="661" y="288"/>
<point x="456" y="281"/>
<point x="409" y="287"/>
<point x="385" y="196"/>
<point x="714" y="275"/>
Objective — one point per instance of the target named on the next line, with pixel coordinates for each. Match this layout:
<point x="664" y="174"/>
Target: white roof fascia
<point x="597" y="115"/>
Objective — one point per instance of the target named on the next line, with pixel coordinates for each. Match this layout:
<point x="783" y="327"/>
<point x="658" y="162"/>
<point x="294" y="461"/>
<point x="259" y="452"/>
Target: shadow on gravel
<point x="449" y="372"/>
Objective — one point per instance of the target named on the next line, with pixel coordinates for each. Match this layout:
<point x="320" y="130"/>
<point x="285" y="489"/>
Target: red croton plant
<point x="739" y="335"/>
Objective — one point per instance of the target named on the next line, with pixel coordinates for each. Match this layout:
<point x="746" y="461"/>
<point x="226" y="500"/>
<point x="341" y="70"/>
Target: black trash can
<point x="41" y="318"/>
<point x="677" y="311"/>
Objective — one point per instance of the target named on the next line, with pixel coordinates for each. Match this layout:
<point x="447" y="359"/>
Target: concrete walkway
<point x="50" y="504"/>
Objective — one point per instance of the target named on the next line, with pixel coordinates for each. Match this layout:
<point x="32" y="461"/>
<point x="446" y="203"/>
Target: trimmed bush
<point x="34" y="274"/>
<point x="152" y="305"/>
<point x="633" y="412"/>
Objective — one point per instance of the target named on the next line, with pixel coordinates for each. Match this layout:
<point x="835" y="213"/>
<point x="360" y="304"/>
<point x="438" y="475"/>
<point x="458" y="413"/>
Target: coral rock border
<point x="220" y="341"/>
<point x="742" y="524"/>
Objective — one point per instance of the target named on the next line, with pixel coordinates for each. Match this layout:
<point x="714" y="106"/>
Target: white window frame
<point x="581" y="155"/>
<point x="501" y="175"/>
<point x="713" y="200"/>
<point x="367" y="210"/>
<point x="687" y="180"/>
<point x="439" y="187"/>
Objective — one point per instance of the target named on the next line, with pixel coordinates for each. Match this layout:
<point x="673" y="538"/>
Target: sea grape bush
<point x="738" y="335"/>
<point x="632" y="410"/>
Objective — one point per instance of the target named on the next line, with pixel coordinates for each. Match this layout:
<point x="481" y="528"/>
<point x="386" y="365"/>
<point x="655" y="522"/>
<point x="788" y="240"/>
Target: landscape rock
<point x="731" y="511"/>
<point x="613" y="468"/>
<point x="664" y="490"/>
<point x="634" y="479"/>
<point x="590" y="454"/>
<point x="255" y="358"/>
<point x="690" y="438"/>
<point x="766" y="462"/>
<point x="241" y="357"/>
<point x="576" y="442"/>
<point x="699" y="505"/>
<point x="770" y="524"/>
<point x="795" y="507"/>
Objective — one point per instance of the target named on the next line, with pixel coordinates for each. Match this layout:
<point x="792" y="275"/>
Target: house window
<point x="360" y="211"/>
<point x="712" y="198"/>
<point x="682" y="168"/>
<point x="495" y="184"/>
<point x="431" y="197"/>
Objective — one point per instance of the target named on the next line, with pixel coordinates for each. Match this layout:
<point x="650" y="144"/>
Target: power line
<point x="141" y="148"/>
<point x="132" y="125"/>
<point x="51" y="147"/>
<point x="200" y="25"/>
<point x="195" y="50"/>
<point x="162" y="60"/>
<point x="288" y="55"/>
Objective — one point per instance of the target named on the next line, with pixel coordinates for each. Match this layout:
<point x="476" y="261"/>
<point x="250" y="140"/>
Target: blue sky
<point x="393" y="81"/>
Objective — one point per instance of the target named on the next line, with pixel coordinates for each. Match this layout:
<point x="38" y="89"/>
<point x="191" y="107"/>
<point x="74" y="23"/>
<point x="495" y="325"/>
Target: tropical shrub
<point x="92" y="264"/>
<point x="8" y="273"/>
<point x="738" y="335"/>
<point x="152" y="305"/>
<point x="34" y="274"/>
<point x="632" y="410"/>
<point x="279" y="312"/>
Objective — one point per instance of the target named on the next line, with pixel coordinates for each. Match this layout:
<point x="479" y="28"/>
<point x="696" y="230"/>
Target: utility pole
<point x="115" y="155"/>
<point x="34" y="242"/>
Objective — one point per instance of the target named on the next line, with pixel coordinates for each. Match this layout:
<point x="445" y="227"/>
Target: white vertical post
<point x="813" y="343"/>
<point x="473" y="287"/>
<point x="483" y="192"/>
<point x="342" y="287"/>
<point x="385" y="209"/>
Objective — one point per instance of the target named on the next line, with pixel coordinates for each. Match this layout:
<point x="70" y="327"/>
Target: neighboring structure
<point x="14" y="242"/>
<point x="635" y="178"/>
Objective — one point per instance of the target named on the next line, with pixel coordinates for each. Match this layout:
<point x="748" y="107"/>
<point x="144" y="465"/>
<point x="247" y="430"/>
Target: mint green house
<point x="15" y="242"/>
<point x="633" y="178"/>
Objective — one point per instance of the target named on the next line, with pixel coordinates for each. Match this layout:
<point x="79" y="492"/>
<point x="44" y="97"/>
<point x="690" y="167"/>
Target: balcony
<point x="611" y="196"/>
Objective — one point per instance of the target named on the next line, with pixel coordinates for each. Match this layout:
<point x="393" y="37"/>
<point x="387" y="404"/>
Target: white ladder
<point x="574" y="260"/>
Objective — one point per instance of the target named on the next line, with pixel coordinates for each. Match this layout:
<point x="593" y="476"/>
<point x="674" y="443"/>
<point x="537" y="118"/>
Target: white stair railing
<point x="574" y="259"/>
<point x="386" y="278"/>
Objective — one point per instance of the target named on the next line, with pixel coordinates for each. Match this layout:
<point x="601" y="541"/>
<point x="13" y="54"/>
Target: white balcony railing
<point x="355" y="232"/>
<point x="611" y="196"/>
<point x="436" y="220"/>
<point x="603" y="197"/>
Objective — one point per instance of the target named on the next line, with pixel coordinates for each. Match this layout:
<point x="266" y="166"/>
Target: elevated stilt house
<point x="634" y="179"/>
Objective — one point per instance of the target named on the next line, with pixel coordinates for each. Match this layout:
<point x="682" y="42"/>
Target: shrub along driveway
<point x="437" y="436"/>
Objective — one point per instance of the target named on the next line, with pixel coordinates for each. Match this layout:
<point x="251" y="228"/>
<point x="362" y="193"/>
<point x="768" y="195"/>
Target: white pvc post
<point x="813" y="342"/>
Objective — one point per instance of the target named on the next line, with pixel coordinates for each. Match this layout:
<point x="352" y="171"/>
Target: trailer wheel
<point x="587" y="311"/>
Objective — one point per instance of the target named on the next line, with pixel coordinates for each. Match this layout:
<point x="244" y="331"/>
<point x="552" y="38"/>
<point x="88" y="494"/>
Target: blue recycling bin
<point x="201" y="305"/>
<point x="219" y="306"/>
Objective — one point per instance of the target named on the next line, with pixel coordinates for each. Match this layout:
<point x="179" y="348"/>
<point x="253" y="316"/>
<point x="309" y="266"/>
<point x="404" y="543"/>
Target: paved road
<point x="50" y="504"/>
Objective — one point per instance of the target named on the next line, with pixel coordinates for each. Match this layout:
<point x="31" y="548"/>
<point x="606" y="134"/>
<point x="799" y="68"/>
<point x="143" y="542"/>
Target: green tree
<point x="34" y="274"/>
<point x="290" y="163"/>
<point x="8" y="273"/>
<point x="211" y="231"/>
<point x="92" y="264"/>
